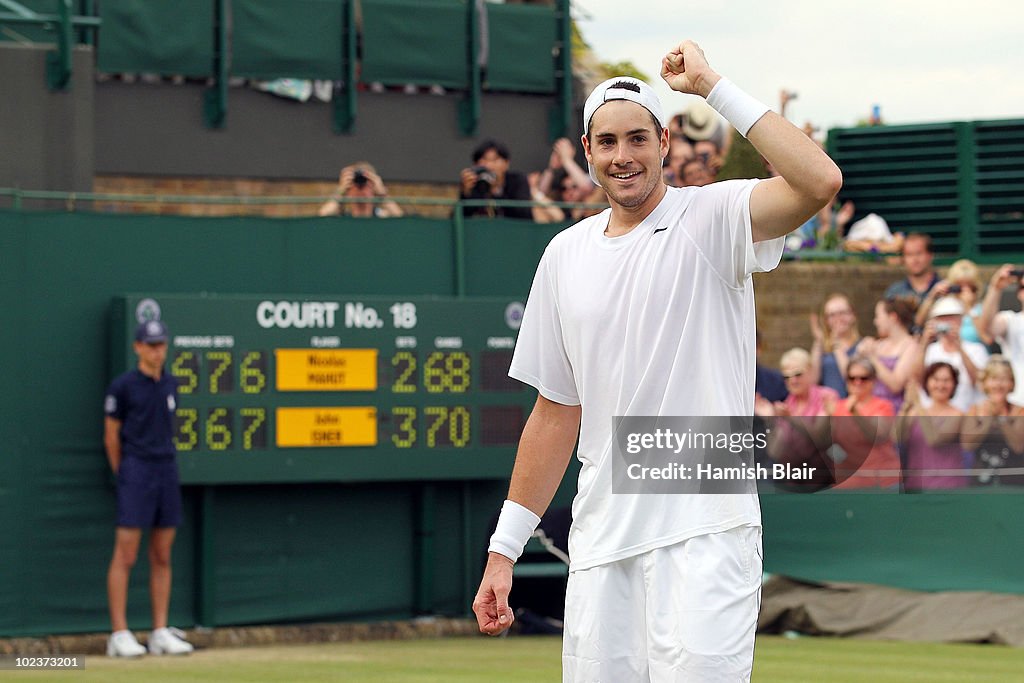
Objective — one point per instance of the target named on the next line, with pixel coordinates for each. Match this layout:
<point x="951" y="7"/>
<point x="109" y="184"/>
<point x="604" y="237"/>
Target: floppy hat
<point x="622" y="88"/>
<point x="701" y="122"/>
<point x="947" y="305"/>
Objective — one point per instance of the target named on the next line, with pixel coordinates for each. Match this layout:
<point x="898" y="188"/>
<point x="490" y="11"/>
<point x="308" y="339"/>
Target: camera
<point x="954" y="289"/>
<point x="359" y="178"/>
<point x="1017" y="273"/>
<point x="943" y="328"/>
<point x="485" y="180"/>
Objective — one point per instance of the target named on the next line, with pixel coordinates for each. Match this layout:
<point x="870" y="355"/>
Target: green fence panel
<point x="288" y="39"/>
<point x="521" y="40"/>
<point x="162" y="37"/>
<point x="931" y="542"/>
<point x="962" y="183"/>
<point x="522" y="241"/>
<point x="316" y="561"/>
<point x="423" y="42"/>
<point x="921" y="161"/>
<point x="998" y="187"/>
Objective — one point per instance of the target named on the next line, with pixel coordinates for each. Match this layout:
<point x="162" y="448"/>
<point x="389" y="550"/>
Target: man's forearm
<point x="114" y="455"/>
<point x="544" y="451"/>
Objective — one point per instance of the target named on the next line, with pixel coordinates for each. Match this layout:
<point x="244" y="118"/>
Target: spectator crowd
<point x="929" y="401"/>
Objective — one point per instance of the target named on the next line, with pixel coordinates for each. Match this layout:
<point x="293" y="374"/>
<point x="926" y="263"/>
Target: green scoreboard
<point x="336" y="388"/>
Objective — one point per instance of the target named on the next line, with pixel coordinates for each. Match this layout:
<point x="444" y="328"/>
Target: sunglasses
<point x="795" y="374"/>
<point x="859" y="378"/>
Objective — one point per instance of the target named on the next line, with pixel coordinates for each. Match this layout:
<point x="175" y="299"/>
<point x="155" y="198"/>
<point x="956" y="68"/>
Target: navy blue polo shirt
<point x="145" y="408"/>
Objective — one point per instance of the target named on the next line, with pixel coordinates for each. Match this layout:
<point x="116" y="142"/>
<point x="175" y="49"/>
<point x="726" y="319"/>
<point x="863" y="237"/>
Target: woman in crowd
<point x="994" y="428"/>
<point x="800" y="433"/>
<point x="806" y="398"/>
<point x="861" y="426"/>
<point x="893" y="354"/>
<point x="834" y="343"/>
<point x="930" y="435"/>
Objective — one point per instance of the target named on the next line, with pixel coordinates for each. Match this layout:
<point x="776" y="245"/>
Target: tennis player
<point x="647" y="309"/>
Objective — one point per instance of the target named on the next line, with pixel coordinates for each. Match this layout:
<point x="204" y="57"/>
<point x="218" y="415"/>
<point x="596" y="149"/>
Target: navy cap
<point x="151" y="332"/>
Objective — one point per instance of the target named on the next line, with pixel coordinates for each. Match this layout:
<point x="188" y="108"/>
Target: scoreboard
<point x="336" y="388"/>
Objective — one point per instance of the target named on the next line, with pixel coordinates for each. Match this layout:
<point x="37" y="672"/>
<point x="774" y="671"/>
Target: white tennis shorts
<point x="686" y="612"/>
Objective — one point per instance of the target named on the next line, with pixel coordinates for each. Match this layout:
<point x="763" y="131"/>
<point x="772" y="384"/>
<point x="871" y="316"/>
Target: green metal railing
<point x="75" y="201"/>
<point x="61" y="23"/>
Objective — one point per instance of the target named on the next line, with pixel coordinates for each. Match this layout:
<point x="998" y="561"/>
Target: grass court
<point x="536" y="660"/>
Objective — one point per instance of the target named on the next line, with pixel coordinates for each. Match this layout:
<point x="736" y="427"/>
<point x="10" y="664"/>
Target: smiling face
<point x="940" y="385"/>
<point x="839" y="315"/>
<point x="997" y="382"/>
<point x="626" y="150"/>
<point x="794" y="372"/>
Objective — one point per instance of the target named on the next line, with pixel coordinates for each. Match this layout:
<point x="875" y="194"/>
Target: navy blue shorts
<point x="148" y="493"/>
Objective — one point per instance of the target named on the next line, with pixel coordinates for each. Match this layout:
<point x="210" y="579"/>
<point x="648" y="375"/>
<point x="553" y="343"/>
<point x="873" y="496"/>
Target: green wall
<point x="273" y="553"/>
<point x="247" y="553"/>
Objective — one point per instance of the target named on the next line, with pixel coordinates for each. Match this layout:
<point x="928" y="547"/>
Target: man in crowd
<point x="490" y="178"/>
<point x="917" y="261"/>
<point x="1007" y="327"/>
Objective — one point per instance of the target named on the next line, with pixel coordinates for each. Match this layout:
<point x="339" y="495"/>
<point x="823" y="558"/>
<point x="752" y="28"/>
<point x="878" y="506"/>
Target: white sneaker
<point x="168" y="641"/>
<point x="123" y="644"/>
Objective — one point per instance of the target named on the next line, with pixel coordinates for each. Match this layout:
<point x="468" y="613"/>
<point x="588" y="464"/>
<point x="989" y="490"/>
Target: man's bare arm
<point x="544" y="451"/>
<point x="112" y="442"/>
<point x="808" y="179"/>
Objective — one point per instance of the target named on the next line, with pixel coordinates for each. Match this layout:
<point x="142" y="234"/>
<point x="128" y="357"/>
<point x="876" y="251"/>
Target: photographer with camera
<point x="360" y="181"/>
<point x="1006" y="327"/>
<point x="489" y="178"/>
<point x="964" y="282"/>
<point x="941" y="342"/>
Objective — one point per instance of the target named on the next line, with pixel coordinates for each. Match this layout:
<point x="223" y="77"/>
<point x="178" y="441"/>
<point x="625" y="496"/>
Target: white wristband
<point x="515" y="526"/>
<point x="738" y="108"/>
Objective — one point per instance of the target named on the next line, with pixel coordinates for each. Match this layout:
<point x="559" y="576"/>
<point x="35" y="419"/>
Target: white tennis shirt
<point x="657" y="322"/>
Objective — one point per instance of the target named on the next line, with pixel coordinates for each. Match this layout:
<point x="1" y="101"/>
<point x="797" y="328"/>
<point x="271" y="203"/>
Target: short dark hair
<point x="935" y="367"/>
<point x="925" y="238"/>
<point x="488" y="145"/>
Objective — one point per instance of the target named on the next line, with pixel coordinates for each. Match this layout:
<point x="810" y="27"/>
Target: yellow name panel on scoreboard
<point x="326" y="427"/>
<point x="326" y="369"/>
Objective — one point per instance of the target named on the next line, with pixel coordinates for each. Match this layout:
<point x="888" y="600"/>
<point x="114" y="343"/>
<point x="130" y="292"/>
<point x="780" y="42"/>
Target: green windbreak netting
<point x="423" y="42"/>
<point x="156" y="36"/>
<point x="521" y="38"/>
<point x="288" y="38"/>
